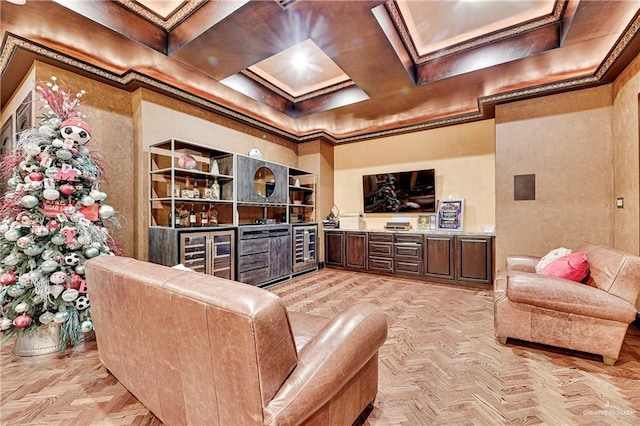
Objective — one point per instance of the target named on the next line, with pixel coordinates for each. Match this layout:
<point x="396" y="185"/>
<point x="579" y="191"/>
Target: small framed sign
<point x="451" y="214"/>
<point x="427" y="221"/>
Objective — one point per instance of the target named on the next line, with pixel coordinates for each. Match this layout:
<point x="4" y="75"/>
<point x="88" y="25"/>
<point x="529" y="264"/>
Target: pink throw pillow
<point x="574" y="267"/>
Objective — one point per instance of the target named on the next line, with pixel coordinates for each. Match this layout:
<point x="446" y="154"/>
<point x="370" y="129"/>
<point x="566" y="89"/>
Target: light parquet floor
<point x="439" y="366"/>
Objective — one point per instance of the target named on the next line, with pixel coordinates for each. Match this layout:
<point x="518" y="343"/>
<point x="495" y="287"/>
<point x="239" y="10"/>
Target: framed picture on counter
<point x="427" y="221"/>
<point x="451" y="215"/>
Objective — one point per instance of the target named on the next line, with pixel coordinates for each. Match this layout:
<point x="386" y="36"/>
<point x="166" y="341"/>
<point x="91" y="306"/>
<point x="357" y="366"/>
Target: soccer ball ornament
<point x="71" y="259"/>
<point x="77" y="130"/>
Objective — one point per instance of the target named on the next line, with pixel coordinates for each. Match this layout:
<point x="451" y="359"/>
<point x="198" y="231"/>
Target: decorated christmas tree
<point x="52" y="219"/>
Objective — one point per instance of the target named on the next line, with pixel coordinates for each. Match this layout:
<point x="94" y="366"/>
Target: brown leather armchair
<point x="197" y="349"/>
<point x="591" y="317"/>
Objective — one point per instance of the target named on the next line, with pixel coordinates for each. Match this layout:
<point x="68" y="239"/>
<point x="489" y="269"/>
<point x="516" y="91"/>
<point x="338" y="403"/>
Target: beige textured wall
<point x="626" y="230"/>
<point x="9" y="109"/>
<point x="463" y="157"/>
<point x="566" y="141"/>
<point x="108" y="112"/>
<point x="317" y="157"/>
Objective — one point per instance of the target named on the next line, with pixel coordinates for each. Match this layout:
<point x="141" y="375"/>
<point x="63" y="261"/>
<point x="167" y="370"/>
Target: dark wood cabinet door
<point x="439" y="256"/>
<point x="334" y="249"/>
<point x="475" y="259"/>
<point x="280" y="256"/>
<point x="356" y="250"/>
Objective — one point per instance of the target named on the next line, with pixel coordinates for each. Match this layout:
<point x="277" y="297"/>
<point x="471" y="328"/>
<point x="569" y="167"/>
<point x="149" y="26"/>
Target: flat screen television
<point x="413" y="191"/>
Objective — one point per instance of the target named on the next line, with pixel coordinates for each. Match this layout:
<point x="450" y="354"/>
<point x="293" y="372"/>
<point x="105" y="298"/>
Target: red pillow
<point x="574" y="267"/>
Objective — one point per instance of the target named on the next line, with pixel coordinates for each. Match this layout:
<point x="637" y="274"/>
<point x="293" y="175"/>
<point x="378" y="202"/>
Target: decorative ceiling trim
<point x="179" y="15"/>
<point x="623" y="42"/>
<point x="295" y="99"/>
<point x="403" y="32"/>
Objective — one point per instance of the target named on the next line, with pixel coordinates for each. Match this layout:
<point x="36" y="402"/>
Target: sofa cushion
<point x="551" y="256"/>
<point x="574" y="267"/>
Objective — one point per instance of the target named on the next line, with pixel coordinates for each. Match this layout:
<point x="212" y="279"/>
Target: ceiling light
<point x="20" y="2"/>
<point x="300" y="60"/>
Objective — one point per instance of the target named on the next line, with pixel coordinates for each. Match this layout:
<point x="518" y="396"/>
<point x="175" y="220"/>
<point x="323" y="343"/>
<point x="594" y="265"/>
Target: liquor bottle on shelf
<point x="196" y="191"/>
<point x="170" y="218"/>
<point x="193" y="220"/>
<point x="215" y="190"/>
<point x="176" y="218"/>
<point x="207" y="191"/>
<point x="184" y="216"/>
<point x="187" y="191"/>
<point x="204" y="216"/>
<point x="213" y="215"/>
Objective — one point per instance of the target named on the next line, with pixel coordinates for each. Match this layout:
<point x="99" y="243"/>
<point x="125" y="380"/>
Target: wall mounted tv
<point x="413" y="191"/>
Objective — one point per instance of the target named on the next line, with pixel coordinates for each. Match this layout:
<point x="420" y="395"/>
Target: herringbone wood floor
<point x="440" y="365"/>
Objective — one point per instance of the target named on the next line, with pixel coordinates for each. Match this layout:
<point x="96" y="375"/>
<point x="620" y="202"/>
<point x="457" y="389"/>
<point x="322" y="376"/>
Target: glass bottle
<point x="215" y="189"/>
<point x="204" y="216"/>
<point x="187" y="191"/>
<point x="196" y="191"/>
<point x="176" y="218"/>
<point x="184" y="216"/>
<point x="207" y="191"/>
<point x="213" y="215"/>
<point x="193" y="220"/>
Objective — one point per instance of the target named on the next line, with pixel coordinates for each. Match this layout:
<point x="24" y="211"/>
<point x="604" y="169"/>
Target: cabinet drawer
<point x="258" y="245"/>
<point x="255" y="277"/>
<point x="380" y="264"/>
<point x="410" y="251"/>
<point x="409" y="238"/>
<point x="380" y="236"/>
<point x="380" y="249"/>
<point x="413" y="268"/>
<point x="255" y="261"/>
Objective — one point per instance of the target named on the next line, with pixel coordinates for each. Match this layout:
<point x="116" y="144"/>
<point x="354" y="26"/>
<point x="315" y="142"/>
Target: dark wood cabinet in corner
<point x="355" y="250"/>
<point x="475" y="259"/>
<point x="345" y="249"/>
<point x="334" y="249"/>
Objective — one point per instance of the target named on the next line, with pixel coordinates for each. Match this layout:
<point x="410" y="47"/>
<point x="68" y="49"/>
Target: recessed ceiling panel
<point x="300" y="70"/>
<point x="162" y="8"/>
<point x="436" y="25"/>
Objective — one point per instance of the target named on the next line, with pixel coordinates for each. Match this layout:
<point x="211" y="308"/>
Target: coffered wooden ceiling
<point x="336" y="70"/>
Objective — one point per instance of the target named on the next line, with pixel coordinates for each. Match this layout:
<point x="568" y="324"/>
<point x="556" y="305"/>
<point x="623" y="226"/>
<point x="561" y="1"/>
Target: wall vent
<point x="285" y="4"/>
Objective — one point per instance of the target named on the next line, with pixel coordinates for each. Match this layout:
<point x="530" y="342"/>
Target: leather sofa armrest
<point x="328" y="362"/>
<point x="567" y="296"/>
<point x="522" y="263"/>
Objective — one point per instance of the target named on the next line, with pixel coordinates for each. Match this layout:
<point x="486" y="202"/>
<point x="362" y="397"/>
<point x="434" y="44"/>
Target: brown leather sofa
<point x="591" y="317"/>
<point x="201" y="350"/>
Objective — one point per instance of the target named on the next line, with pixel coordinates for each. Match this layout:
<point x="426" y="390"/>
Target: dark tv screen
<point x="400" y="192"/>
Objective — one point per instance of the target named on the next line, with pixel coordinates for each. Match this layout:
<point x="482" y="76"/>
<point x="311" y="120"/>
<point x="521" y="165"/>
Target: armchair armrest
<point x="328" y="362"/>
<point x="522" y="263"/>
<point x="562" y="295"/>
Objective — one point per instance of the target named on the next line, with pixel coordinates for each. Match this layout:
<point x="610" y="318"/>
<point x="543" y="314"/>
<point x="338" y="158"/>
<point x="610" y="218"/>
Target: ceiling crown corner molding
<point x="179" y="15"/>
<point x="402" y="30"/>
<point x="628" y="36"/>
<point x="537" y="91"/>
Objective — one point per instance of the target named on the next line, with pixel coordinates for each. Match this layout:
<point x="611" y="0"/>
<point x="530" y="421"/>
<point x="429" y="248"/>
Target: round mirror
<point x="264" y="182"/>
